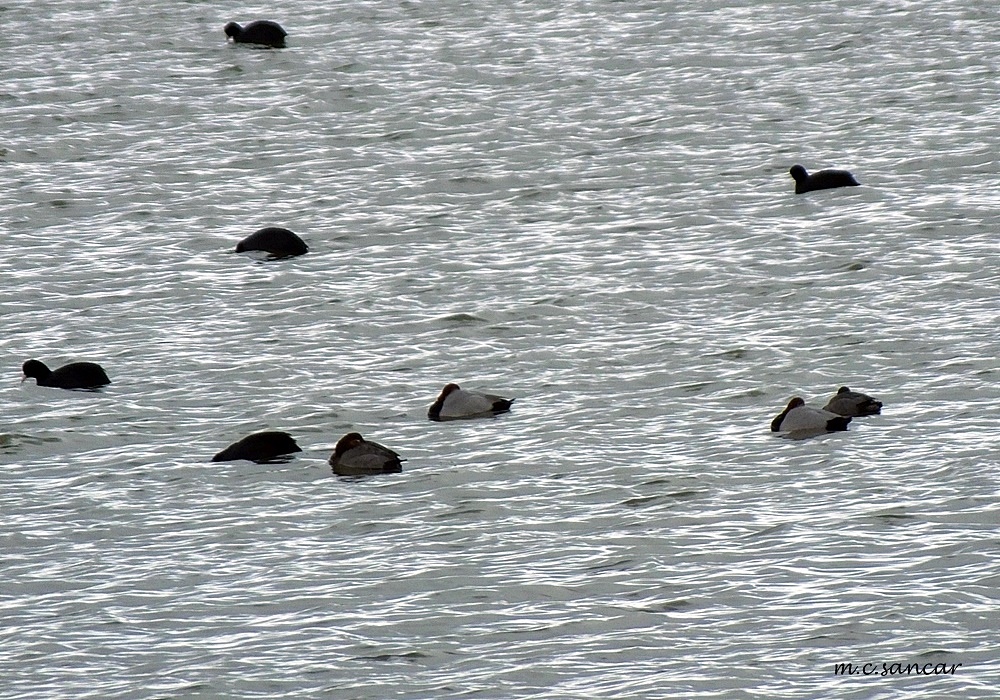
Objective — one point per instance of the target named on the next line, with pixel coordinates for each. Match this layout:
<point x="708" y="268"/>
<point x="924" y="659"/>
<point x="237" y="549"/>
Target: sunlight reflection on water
<point x="586" y="208"/>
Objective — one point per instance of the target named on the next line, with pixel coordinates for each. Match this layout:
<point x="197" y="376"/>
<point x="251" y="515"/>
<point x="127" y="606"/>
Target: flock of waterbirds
<point x="354" y="455"/>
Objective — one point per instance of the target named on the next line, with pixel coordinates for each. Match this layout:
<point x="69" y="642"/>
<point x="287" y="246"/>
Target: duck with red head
<point x="355" y="456"/>
<point x="456" y="403"/>
<point x="800" y="419"/>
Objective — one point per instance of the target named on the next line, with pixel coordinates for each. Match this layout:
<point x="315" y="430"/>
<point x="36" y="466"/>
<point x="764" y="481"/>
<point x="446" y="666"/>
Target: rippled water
<point x="584" y="205"/>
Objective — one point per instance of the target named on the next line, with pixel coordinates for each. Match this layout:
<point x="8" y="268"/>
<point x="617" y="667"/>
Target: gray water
<point x="583" y="205"/>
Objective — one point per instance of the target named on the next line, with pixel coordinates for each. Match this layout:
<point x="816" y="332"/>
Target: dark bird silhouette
<point x="260" y="447"/>
<point x="276" y="241"/>
<point x="262" y="32"/>
<point x="75" y="375"/>
<point x="853" y="403"/>
<point x="822" y="180"/>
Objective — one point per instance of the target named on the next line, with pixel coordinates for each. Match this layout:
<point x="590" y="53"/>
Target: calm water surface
<point x="585" y="205"/>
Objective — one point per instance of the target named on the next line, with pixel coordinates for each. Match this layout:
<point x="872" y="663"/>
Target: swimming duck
<point x="260" y="447"/>
<point x="276" y="241"/>
<point x="853" y="403"/>
<point x="262" y="31"/>
<point x="75" y="375"/>
<point x="455" y="402"/>
<point x="799" y="418"/>
<point x="355" y="456"/>
<point x="822" y="180"/>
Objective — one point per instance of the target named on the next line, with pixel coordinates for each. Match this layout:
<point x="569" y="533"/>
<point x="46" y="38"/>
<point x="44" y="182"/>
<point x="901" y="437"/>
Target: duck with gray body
<point x="266" y="446"/>
<point x="822" y="180"/>
<point x="355" y="456"/>
<point x="277" y="242"/>
<point x="75" y="375"/>
<point x="456" y="403"/>
<point x="853" y="403"/>
<point x="262" y="32"/>
<point x="802" y="419"/>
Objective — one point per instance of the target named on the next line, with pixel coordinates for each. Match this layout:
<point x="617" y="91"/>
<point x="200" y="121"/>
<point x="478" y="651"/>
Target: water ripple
<point x="587" y="209"/>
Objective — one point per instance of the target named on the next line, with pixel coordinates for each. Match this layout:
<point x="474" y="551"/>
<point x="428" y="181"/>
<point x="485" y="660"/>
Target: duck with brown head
<point x="355" y="456"/>
<point x="455" y="403"/>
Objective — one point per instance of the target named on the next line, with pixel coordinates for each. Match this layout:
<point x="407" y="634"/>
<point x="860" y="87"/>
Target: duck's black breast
<point x="838" y="423"/>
